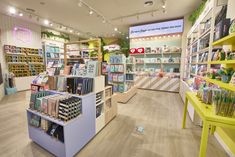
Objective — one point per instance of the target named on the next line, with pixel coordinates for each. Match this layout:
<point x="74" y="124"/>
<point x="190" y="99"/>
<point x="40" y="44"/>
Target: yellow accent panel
<point x="228" y="40"/>
<point x="223" y="62"/>
<point x="221" y="84"/>
<point x="228" y="137"/>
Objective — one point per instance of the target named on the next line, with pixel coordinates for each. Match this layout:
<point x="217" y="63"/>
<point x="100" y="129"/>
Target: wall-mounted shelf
<point x="228" y="40"/>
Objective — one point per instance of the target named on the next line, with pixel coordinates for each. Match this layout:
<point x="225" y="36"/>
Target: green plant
<point x="196" y="13"/>
<point x="51" y="34"/>
<point x="125" y="46"/>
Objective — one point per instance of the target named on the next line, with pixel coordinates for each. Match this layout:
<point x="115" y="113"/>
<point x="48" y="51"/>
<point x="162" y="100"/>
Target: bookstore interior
<point x="83" y="78"/>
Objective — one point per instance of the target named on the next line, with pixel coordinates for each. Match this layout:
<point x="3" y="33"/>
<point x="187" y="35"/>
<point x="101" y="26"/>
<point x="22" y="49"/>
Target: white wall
<point x="231" y="9"/>
<point x="7" y="25"/>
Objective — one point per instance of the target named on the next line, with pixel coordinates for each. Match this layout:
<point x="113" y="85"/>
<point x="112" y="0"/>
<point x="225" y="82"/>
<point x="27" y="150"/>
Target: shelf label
<point x="162" y="28"/>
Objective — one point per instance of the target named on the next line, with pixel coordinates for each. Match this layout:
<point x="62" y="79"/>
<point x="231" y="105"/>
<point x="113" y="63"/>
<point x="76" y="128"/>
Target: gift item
<point x="223" y="102"/>
<point x="232" y="27"/>
<point x="69" y="108"/>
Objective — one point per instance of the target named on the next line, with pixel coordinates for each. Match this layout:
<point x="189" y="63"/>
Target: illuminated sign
<point x="155" y="29"/>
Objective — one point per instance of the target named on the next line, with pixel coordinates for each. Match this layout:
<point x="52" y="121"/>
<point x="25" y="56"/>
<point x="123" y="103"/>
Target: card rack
<point x="99" y="103"/>
<point x="24" y="61"/>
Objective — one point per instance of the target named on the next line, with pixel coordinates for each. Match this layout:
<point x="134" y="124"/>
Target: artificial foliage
<point x="125" y="46"/>
<point x="51" y="34"/>
<point x="196" y="13"/>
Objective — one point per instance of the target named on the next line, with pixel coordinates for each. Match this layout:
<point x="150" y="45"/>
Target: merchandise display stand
<point x="85" y="49"/>
<point x="53" y="51"/>
<point x="157" y="64"/>
<point x="122" y="79"/>
<point x="98" y="109"/>
<point x="77" y="132"/>
<point x="208" y="117"/>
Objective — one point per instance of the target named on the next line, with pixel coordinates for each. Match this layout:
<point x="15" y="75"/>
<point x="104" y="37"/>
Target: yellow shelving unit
<point x="222" y="62"/>
<point x="221" y="84"/>
<point x="228" y="40"/>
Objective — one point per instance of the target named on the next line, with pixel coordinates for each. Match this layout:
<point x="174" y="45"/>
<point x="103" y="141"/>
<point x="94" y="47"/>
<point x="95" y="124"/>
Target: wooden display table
<point x="208" y="117"/>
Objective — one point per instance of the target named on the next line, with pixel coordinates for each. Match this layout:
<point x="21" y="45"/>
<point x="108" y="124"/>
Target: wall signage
<point x="161" y="28"/>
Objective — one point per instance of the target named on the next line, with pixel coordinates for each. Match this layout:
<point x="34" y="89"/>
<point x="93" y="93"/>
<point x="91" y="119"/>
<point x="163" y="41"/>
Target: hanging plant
<point x="125" y="46"/>
<point x="196" y="13"/>
<point x="51" y="35"/>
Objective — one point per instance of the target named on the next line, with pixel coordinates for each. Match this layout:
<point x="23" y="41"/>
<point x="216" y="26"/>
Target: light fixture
<point x="37" y="19"/>
<point x="51" y="24"/>
<point x="91" y="12"/>
<point x="80" y="3"/>
<point x="46" y="22"/>
<point x="127" y="37"/>
<point x="21" y="14"/>
<point x="78" y="33"/>
<point x="12" y="10"/>
<point x="104" y="21"/>
<point x="15" y="28"/>
<point x="164" y="6"/>
<point x="115" y="29"/>
<point x="71" y="31"/>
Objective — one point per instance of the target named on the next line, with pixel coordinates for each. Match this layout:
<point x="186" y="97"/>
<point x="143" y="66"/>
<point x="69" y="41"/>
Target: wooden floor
<point x="159" y="113"/>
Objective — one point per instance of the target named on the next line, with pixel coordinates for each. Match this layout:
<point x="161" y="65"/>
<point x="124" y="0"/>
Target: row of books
<point x="116" y="77"/>
<point x="63" y="107"/>
<point x="117" y="68"/>
<point x="54" y="130"/>
<point x="73" y="85"/>
<point x="117" y="59"/>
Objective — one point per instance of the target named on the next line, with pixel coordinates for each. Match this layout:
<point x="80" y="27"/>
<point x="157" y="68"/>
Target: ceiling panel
<point x="69" y="13"/>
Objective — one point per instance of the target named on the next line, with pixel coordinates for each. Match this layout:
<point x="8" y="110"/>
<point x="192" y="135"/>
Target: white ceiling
<point x="68" y="12"/>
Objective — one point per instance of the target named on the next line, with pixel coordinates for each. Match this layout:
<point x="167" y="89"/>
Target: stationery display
<point x="24" y="61"/>
<point x="79" y="85"/>
<point x="69" y="108"/>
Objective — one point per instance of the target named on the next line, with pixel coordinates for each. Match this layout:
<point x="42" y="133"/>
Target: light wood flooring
<point x="160" y="114"/>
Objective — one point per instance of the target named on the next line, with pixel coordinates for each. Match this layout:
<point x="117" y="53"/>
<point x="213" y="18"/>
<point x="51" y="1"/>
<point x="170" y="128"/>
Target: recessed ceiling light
<point x="46" y="22"/>
<point x="71" y="31"/>
<point x="51" y="24"/>
<point x="91" y="12"/>
<point x="115" y="29"/>
<point x="12" y="10"/>
<point x="78" y="33"/>
<point x="21" y="14"/>
<point x="164" y="6"/>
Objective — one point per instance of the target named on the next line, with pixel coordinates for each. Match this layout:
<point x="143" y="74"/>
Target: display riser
<point x="77" y="132"/>
<point x="158" y="83"/>
<point x="126" y="96"/>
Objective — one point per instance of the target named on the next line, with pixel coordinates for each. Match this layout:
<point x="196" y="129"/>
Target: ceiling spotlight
<point x="115" y="29"/>
<point x="127" y="37"/>
<point x="71" y="31"/>
<point x="21" y="14"/>
<point x="51" y="24"/>
<point x="37" y="19"/>
<point x="104" y="21"/>
<point x="120" y="32"/>
<point x="164" y="5"/>
<point x="15" y="28"/>
<point x="80" y="3"/>
<point x="46" y="22"/>
<point x="91" y="12"/>
<point x="78" y="33"/>
<point x="12" y="10"/>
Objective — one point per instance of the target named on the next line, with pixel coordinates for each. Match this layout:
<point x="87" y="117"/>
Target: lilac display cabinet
<point x="77" y="132"/>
